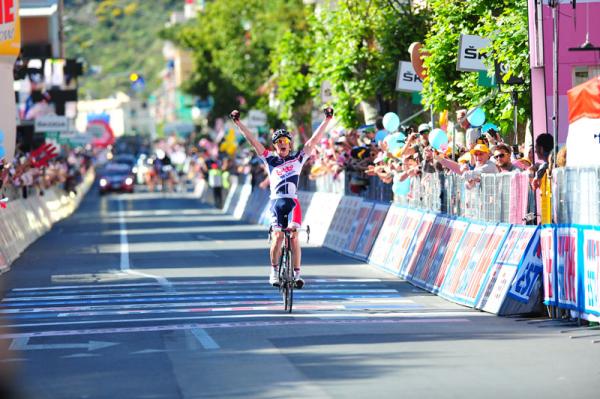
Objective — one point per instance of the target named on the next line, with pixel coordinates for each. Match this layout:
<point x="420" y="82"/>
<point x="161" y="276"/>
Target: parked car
<point x="116" y="177"/>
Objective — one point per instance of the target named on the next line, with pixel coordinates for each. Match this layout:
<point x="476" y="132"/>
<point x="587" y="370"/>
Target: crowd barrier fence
<point x="495" y="267"/>
<point x="25" y="220"/>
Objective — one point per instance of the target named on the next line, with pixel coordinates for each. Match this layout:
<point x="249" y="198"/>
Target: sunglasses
<point x="478" y="154"/>
<point x="500" y="156"/>
<point x="284" y="140"/>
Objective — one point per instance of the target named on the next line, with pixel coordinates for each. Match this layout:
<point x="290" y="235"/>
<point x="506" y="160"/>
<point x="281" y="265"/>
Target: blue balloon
<point x="391" y="121"/>
<point x="395" y="142"/>
<point x="2" y="152"/>
<point x="380" y="136"/>
<point x="477" y="117"/>
<point x="485" y="128"/>
<point x="401" y="188"/>
<point x="438" y="138"/>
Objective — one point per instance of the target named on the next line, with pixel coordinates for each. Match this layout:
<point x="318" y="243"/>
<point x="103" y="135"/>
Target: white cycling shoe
<point x="299" y="281"/>
<point x="274" y="277"/>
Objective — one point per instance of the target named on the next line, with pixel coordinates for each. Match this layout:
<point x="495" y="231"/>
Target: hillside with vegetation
<point x="117" y="38"/>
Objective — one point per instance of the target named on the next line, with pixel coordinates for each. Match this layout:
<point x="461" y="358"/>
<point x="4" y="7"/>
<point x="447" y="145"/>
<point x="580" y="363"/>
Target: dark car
<point x="116" y="177"/>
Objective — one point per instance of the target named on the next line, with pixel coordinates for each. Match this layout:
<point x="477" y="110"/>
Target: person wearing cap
<point x="483" y="164"/>
<point x="424" y="129"/>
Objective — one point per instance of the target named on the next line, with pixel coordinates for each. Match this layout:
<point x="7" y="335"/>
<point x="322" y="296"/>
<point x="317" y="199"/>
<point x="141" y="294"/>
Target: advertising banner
<point x="371" y="230"/>
<point x="407" y="234"/>
<point x="504" y="268"/>
<point x="10" y="31"/>
<point x="342" y="220"/>
<point x="387" y="235"/>
<point x="591" y="271"/>
<point x="470" y="57"/>
<point x="407" y="79"/>
<point x="430" y="258"/>
<point x="458" y="229"/>
<point x="357" y="227"/>
<point x="529" y="270"/>
<point x="319" y="215"/>
<point x="566" y="266"/>
<point x="417" y="242"/>
<point x="470" y="267"/>
<point x="549" y="265"/>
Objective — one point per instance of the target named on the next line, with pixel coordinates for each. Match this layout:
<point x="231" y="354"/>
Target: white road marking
<point x="125" y="264"/>
<point x="22" y="344"/>
<point x="205" y="340"/>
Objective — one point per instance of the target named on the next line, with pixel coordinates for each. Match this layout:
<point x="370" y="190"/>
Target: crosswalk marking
<point x="232" y="303"/>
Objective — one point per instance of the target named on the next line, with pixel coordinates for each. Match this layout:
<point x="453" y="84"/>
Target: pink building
<point x="574" y="67"/>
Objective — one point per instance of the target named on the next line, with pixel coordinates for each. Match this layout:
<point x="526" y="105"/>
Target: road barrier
<point x="25" y="220"/>
<point x="495" y="267"/>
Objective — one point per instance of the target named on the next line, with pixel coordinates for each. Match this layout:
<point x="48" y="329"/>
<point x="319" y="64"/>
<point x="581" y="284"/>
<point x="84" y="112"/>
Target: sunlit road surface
<point x="159" y="296"/>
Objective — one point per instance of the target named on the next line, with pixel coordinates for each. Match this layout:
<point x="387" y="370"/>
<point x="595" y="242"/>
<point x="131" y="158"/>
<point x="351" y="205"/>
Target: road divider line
<point x="125" y="262"/>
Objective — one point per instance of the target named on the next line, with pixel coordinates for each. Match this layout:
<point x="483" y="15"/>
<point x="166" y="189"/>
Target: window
<point x="582" y="74"/>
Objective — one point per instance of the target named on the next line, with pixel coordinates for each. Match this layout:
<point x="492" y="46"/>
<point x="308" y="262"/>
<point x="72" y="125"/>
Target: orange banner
<point x="10" y="30"/>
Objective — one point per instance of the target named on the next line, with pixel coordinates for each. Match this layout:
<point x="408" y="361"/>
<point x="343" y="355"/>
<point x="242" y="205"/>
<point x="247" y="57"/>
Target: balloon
<point x="395" y="142"/>
<point x="444" y="120"/>
<point x="438" y="139"/>
<point x="477" y="117"/>
<point x="485" y="128"/>
<point x="401" y="188"/>
<point x="380" y="136"/>
<point x="2" y="152"/>
<point x="391" y="121"/>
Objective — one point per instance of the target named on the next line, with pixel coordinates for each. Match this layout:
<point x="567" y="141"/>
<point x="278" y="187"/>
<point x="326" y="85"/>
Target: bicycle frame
<point x="287" y="281"/>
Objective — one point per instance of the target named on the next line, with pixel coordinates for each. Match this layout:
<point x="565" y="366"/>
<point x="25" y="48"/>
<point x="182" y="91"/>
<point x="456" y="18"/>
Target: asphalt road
<point x="159" y="296"/>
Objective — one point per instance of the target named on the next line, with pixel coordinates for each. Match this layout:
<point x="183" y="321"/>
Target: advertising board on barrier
<point x="430" y="257"/>
<point x="504" y="268"/>
<point x="529" y="270"/>
<point x="457" y="231"/>
<point x="342" y="220"/>
<point x="470" y="248"/>
<point x="319" y="215"/>
<point x="416" y="241"/>
<point x="357" y="226"/>
<point x="372" y="227"/>
<point x="566" y="266"/>
<point x="591" y="271"/>
<point x="387" y="235"/>
<point x="549" y="265"/>
<point x="406" y="234"/>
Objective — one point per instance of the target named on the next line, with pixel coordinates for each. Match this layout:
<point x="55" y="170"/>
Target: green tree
<point x="355" y="46"/>
<point x="232" y="42"/>
<point x="505" y="24"/>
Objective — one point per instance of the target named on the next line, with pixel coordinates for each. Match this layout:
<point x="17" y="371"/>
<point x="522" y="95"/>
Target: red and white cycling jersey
<point x="284" y="173"/>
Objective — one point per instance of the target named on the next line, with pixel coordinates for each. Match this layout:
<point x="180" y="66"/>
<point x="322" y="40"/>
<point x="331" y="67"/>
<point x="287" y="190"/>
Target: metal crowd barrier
<point x="576" y="195"/>
<point x="500" y="198"/>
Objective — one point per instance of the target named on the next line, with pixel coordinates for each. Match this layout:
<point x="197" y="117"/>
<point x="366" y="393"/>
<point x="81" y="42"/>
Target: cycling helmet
<point x="279" y="134"/>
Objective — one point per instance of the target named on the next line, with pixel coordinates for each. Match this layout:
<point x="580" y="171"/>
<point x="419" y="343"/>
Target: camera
<point x="234" y="115"/>
<point x="328" y="112"/>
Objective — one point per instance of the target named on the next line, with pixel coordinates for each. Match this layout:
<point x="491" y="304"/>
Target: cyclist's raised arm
<point x="318" y="134"/>
<point x="258" y="147"/>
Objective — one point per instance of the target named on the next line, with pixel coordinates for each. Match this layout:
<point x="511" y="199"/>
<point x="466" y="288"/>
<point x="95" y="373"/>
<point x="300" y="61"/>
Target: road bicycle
<point x="287" y="281"/>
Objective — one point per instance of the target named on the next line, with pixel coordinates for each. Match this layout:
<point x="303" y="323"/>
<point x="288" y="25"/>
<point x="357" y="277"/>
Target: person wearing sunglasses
<point x="502" y="158"/>
<point x="284" y="167"/>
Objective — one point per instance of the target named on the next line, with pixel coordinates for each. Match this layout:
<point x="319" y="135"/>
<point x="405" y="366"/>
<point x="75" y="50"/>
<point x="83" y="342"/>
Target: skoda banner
<point x="407" y="79"/>
<point x="470" y="58"/>
<point x="10" y="46"/>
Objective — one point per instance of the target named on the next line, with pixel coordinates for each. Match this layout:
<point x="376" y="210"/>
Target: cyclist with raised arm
<point x="284" y="167"/>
